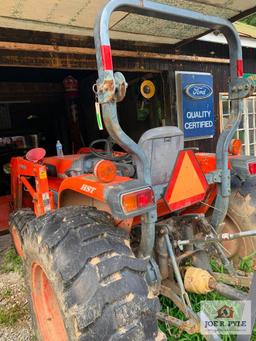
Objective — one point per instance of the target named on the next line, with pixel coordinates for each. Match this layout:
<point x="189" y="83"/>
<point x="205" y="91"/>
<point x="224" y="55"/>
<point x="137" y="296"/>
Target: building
<point x="42" y="43"/>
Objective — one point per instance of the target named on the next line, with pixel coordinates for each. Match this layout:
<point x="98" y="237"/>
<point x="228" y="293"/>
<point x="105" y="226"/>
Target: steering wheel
<point x="108" y="153"/>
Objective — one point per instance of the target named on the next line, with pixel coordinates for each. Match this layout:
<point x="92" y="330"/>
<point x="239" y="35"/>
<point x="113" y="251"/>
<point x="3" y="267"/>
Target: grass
<point x="173" y="333"/>
<point x="247" y="262"/>
<point x="11" y="262"/>
<point x="9" y="316"/>
<point x="6" y="293"/>
<point x="11" y="312"/>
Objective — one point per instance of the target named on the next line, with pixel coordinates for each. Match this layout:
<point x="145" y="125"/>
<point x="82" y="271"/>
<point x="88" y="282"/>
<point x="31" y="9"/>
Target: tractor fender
<point x="70" y="197"/>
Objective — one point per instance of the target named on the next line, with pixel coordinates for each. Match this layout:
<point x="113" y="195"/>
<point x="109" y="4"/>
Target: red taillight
<point x="145" y="198"/>
<point x="252" y="168"/>
<point x="137" y="200"/>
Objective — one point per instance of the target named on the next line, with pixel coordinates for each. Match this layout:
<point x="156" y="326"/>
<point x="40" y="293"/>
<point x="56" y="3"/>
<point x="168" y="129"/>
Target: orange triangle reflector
<point x="187" y="185"/>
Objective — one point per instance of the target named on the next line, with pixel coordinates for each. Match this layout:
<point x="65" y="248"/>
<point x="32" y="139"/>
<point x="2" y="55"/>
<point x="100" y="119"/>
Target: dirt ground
<point x="15" y="320"/>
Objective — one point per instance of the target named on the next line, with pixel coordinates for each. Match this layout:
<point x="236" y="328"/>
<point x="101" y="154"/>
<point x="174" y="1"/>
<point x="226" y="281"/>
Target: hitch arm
<point x="210" y="238"/>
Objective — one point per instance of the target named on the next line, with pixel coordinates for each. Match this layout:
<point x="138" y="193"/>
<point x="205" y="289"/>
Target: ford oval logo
<point x="198" y="91"/>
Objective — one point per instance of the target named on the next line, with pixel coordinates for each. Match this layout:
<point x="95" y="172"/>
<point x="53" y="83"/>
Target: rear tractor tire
<point x="18" y="221"/>
<point x="85" y="283"/>
<point x="241" y="216"/>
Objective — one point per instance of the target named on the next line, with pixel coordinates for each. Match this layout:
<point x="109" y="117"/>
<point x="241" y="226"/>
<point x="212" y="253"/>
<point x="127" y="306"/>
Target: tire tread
<point x="102" y="283"/>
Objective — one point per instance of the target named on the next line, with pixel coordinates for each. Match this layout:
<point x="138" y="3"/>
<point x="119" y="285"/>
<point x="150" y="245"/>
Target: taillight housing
<point x="252" y="168"/>
<point x="244" y="166"/>
<point x="137" y="200"/>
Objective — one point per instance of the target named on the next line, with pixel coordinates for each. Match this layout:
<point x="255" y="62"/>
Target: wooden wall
<point x="46" y="54"/>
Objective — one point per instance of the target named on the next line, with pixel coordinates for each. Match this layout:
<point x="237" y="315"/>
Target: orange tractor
<point x="103" y="233"/>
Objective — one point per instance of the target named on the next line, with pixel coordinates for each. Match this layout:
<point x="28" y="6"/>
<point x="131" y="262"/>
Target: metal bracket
<point x="153" y="276"/>
<point x="112" y="89"/>
<point x="241" y="88"/>
<point x="121" y="86"/>
<point x="184" y="294"/>
<point x="214" y="177"/>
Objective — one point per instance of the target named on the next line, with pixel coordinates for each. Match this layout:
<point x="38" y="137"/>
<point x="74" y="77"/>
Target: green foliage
<point x="174" y="333"/>
<point x="11" y="262"/>
<point x="33" y="338"/>
<point x="217" y="266"/>
<point x="247" y="262"/>
<point x="250" y="20"/>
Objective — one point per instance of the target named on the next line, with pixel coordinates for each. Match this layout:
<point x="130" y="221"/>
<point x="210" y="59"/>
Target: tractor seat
<point x="161" y="146"/>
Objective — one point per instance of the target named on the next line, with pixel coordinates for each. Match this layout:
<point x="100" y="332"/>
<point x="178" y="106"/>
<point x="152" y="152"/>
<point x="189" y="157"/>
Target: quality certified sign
<point x="195" y="104"/>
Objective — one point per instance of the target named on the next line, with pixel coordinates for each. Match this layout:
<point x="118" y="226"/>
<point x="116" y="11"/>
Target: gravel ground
<point x="15" y="320"/>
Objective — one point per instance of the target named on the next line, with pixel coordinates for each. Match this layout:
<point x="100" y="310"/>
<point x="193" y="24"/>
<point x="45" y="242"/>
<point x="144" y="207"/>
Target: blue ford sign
<point x="198" y="91"/>
<point x="195" y="104"/>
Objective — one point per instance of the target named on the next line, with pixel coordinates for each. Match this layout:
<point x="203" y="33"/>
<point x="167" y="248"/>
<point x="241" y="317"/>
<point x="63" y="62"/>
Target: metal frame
<point x="111" y="89"/>
<point x="42" y="197"/>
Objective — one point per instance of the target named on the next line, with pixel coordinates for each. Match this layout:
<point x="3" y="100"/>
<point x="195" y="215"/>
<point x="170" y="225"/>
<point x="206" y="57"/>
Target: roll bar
<point x="111" y="88"/>
<point x="106" y="82"/>
<point x="162" y="11"/>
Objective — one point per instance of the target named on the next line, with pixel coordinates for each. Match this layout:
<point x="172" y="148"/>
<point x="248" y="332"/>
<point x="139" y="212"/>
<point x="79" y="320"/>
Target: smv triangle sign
<point x="187" y="184"/>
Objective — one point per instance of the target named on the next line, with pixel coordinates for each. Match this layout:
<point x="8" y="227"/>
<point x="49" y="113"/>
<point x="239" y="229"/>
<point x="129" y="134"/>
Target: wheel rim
<point x="236" y="247"/>
<point x="48" y="314"/>
<point x="17" y="241"/>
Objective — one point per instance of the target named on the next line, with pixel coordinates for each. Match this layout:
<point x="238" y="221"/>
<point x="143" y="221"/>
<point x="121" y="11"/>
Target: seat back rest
<point x="161" y="146"/>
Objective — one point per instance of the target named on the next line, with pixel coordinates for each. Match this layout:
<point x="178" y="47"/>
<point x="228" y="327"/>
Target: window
<point x="247" y="128"/>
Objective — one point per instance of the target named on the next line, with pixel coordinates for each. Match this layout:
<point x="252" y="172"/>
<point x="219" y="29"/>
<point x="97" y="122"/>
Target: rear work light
<point x="252" y="168"/>
<point x="235" y="147"/>
<point x="137" y="200"/>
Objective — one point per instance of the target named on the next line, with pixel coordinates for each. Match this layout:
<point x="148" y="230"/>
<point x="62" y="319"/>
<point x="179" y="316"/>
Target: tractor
<point x="103" y="232"/>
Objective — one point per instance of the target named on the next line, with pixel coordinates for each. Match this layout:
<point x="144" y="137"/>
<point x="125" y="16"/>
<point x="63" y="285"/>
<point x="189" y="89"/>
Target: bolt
<point x="162" y="231"/>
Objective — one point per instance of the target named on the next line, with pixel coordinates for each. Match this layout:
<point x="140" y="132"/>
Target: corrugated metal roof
<point x="77" y="17"/>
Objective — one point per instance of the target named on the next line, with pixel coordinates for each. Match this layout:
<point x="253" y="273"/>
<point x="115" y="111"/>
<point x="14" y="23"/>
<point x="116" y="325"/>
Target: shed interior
<point x="36" y="111"/>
